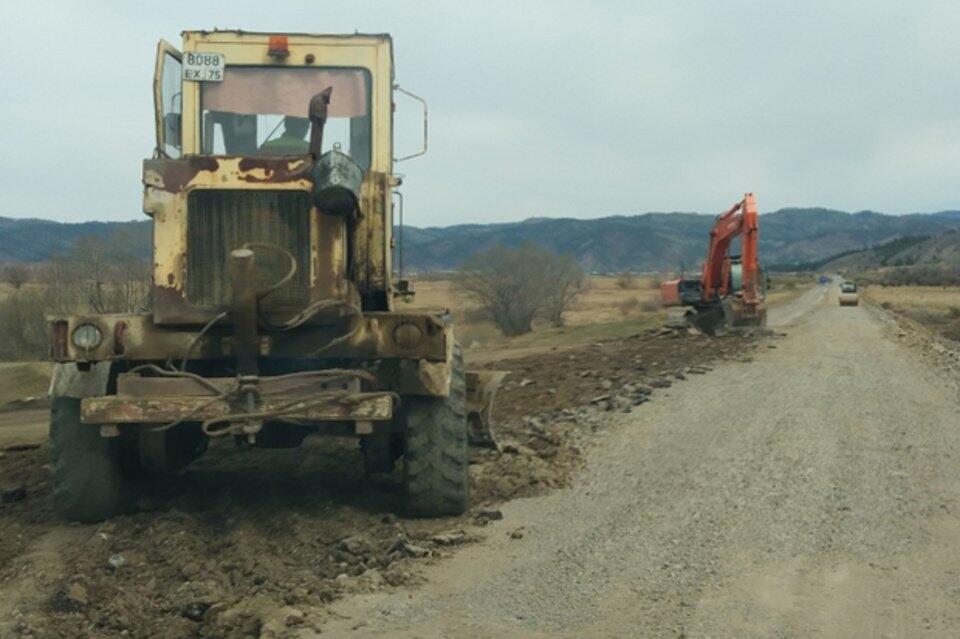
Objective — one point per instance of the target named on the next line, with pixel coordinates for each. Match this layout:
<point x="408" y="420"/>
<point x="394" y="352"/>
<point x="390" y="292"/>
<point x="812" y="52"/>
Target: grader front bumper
<point x="241" y="405"/>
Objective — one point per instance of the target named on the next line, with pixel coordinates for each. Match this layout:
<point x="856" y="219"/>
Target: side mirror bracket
<point x="423" y="102"/>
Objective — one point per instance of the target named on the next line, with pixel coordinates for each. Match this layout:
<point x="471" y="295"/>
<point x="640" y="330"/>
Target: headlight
<point x="87" y="337"/>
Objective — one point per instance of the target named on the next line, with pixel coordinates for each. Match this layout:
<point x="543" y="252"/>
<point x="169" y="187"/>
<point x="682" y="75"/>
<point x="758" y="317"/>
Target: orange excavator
<point x="730" y="290"/>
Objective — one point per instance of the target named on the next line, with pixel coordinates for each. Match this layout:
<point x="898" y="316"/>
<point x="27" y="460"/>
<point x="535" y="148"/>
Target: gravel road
<point x="812" y="491"/>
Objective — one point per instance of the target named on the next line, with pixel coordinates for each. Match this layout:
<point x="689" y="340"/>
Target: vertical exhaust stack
<point x="243" y="311"/>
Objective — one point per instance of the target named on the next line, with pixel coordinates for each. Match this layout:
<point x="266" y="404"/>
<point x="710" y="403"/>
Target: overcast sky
<point x="553" y="108"/>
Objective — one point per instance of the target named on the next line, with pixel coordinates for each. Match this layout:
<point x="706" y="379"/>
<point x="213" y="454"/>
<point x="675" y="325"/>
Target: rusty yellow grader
<point x="272" y="315"/>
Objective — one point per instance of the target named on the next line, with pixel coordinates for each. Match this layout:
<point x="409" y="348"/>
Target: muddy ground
<point x="257" y="544"/>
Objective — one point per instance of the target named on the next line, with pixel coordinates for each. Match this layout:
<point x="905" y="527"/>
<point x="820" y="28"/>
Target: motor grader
<point x="271" y="193"/>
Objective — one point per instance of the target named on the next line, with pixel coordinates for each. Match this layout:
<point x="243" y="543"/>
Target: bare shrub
<point x="886" y="305"/>
<point x="628" y="306"/>
<point x="626" y="280"/>
<point x="919" y="276"/>
<point x="23" y="327"/>
<point x="515" y="286"/>
<point x="952" y="331"/>
<point x="109" y="278"/>
<point x="566" y="283"/>
<point x="15" y="274"/>
<point x="928" y="316"/>
<point x="649" y="306"/>
<point x="97" y="276"/>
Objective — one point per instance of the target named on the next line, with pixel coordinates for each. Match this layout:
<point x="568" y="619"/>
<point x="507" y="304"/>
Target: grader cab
<point x="271" y="196"/>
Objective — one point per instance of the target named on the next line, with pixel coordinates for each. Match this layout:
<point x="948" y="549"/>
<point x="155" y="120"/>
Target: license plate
<point x="203" y="67"/>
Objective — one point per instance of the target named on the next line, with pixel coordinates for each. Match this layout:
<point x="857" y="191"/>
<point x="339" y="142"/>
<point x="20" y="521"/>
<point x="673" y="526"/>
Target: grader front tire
<point x="435" y="458"/>
<point x="88" y="475"/>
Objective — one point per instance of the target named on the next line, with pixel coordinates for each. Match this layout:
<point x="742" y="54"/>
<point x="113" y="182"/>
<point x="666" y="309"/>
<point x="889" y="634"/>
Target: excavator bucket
<point x="732" y="314"/>
<point x="481" y="388"/>
<point x="709" y="321"/>
<point x="741" y="314"/>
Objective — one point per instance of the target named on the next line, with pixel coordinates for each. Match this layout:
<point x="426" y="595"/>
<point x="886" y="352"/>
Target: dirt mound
<point x="254" y="544"/>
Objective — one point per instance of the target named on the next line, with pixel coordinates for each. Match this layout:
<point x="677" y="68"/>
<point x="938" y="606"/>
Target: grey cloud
<point x="537" y="108"/>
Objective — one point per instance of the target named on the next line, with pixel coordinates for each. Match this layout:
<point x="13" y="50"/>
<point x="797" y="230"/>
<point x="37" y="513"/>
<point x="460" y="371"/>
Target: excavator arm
<point x="739" y="220"/>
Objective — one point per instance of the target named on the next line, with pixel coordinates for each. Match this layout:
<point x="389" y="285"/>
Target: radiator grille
<point x="222" y="220"/>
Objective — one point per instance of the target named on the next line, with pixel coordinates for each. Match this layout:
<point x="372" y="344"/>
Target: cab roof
<point x="205" y="33"/>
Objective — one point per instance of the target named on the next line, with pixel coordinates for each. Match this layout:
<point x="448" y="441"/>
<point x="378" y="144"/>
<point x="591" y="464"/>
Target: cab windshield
<point x="262" y="111"/>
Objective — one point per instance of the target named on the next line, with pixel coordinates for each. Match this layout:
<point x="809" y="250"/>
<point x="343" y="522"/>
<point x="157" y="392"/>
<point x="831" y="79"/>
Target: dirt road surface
<point x="810" y="492"/>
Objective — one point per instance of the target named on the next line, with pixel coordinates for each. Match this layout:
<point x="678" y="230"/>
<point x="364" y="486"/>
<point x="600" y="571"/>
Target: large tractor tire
<point x="89" y="482"/>
<point x="380" y="452"/>
<point x="435" y="456"/>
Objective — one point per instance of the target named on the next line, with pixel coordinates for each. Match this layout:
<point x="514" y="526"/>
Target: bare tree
<point x="566" y="283"/>
<point x="58" y="279"/>
<point x="15" y="274"/>
<point x="108" y="276"/>
<point x="23" y="327"/>
<point x="515" y="286"/>
<point x="99" y="275"/>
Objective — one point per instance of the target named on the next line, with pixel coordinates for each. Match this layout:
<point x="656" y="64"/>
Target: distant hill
<point x="939" y="250"/>
<point x="30" y="240"/>
<point x="655" y="241"/>
<point x="647" y="242"/>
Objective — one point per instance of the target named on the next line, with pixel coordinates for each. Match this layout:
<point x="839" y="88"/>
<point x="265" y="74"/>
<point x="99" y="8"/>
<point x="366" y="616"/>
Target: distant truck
<point x="824" y="280"/>
<point x="848" y="294"/>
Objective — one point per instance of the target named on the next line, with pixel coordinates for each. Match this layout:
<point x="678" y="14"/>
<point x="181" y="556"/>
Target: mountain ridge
<point x="642" y="242"/>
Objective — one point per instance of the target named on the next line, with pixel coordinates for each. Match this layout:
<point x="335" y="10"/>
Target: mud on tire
<point x="88" y="477"/>
<point x="435" y="456"/>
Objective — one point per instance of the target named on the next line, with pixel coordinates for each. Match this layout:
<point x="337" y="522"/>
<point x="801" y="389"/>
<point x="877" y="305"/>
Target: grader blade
<point x="481" y="388"/>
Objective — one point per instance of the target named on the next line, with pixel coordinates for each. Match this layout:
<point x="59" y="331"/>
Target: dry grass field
<point x="603" y="311"/>
<point x="937" y="307"/>
<point x="932" y="298"/>
<point x="19" y="380"/>
<point x="785" y="287"/>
